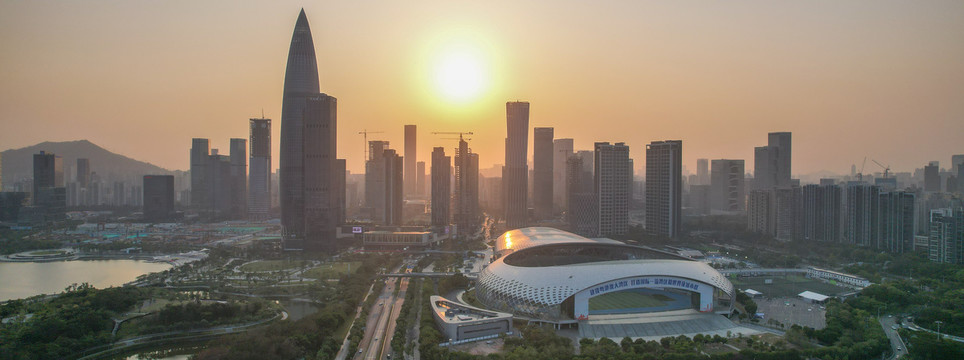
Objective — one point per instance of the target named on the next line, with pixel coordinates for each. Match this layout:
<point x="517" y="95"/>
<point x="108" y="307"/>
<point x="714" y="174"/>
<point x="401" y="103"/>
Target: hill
<point x="18" y="163"/>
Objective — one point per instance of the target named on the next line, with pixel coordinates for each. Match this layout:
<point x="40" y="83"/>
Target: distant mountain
<point x="18" y="163"/>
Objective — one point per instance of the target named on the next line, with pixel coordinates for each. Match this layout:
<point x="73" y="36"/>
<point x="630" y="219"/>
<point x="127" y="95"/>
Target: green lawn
<point x="332" y="270"/>
<point x="272" y="265"/>
<point x="47" y="252"/>
<point x="626" y="300"/>
<point x="787" y="286"/>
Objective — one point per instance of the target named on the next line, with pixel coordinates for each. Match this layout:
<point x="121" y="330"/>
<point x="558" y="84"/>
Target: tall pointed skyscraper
<point x="308" y="158"/>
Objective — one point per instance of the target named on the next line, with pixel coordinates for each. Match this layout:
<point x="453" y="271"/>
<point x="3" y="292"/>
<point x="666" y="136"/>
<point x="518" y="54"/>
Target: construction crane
<point x="365" y="133"/>
<point x="886" y="168"/>
<point x="458" y="138"/>
<point x="459" y="133"/>
<point x="860" y="175"/>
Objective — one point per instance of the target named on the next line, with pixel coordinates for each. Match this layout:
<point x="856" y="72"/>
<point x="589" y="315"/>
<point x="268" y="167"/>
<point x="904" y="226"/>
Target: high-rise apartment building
<point x="158" y="198"/>
<point x="410" y="160"/>
<point x="516" y="169"/>
<point x="441" y="191"/>
<point x="821" y="212"/>
<point x="758" y="212"/>
<point x="561" y="151"/>
<point x="861" y="214"/>
<point x="946" y="237"/>
<point x="308" y="150"/>
<point x="340" y="191"/>
<point x="664" y="187"/>
<point x="612" y="182"/>
<point x="727" y="189"/>
<point x="542" y="166"/>
<point x="897" y="212"/>
<point x="259" y="168"/>
<point x="582" y="208"/>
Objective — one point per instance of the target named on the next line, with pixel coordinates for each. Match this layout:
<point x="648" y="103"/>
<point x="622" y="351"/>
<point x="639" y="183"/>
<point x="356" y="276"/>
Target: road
<point x="393" y="318"/>
<point x="897" y="345"/>
<point x="380" y="327"/>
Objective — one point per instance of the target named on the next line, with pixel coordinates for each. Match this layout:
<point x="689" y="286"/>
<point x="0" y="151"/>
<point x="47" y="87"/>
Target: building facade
<point x="441" y="190"/>
<point x="542" y="172"/>
<point x="259" y="168"/>
<point x="515" y="172"/>
<point x="612" y="184"/>
<point x="727" y="188"/>
<point x="664" y="183"/>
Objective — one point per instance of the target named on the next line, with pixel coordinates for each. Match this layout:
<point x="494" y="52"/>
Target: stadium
<point x="553" y="276"/>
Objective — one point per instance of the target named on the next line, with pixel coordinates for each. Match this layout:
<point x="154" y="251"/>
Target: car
<point x="893" y="327"/>
<point x="899" y="349"/>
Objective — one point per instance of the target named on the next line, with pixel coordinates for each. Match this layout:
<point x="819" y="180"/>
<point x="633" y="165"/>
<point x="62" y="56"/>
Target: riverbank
<point x="40" y="256"/>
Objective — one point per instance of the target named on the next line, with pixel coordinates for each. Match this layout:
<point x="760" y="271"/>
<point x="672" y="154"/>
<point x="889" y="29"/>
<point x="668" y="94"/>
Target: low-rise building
<point x="852" y="280"/>
<point x="461" y="323"/>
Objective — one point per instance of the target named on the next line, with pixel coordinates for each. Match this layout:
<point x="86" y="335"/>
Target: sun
<point x="460" y="73"/>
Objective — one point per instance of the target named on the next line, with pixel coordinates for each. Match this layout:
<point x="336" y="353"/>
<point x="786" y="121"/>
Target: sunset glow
<point x="460" y="74"/>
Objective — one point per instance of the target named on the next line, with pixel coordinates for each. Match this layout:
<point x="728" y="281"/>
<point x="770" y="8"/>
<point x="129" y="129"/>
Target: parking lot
<point x="789" y="311"/>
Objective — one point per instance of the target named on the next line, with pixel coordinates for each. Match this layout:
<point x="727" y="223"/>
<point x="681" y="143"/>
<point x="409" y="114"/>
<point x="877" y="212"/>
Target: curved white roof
<point x="551" y="285"/>
<point x="518" y="239"/>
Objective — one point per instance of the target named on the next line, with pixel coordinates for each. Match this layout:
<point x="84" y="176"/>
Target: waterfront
<point x="26" y="279"/>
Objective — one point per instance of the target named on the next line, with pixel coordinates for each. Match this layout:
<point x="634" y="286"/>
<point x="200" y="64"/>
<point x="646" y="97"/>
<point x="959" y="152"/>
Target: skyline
<point x="821" y="71"/>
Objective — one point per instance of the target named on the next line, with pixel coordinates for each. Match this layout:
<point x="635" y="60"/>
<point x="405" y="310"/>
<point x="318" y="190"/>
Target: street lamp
<point x="938" y="322"/>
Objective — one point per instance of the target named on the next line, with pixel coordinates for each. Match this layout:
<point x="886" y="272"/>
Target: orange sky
<point x="883" y="79"/>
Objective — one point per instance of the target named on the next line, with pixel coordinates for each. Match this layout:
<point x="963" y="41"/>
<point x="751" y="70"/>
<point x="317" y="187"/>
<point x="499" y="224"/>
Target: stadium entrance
<point x="642" y="294"/>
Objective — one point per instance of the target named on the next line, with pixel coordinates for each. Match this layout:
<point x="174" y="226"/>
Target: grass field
<point x="332" y="270"/>
<point x="272" y="265"/>
<point x="787" y="286"/>
<point x="626" y="300"/>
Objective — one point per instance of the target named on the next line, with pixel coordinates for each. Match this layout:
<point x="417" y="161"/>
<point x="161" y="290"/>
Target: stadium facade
<point x="553" y="276"/>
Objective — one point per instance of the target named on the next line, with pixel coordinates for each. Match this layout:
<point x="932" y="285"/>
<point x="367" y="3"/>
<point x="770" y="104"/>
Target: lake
<point x="26" y="279"/>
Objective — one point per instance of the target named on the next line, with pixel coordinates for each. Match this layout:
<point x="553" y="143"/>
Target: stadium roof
<point x="810" y="295"/>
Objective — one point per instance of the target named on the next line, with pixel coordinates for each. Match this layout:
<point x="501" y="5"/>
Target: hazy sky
<point x="882" y="79"/>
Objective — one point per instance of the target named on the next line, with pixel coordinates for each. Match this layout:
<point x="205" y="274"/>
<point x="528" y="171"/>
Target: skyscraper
<point x="83" y="172"/>
<point x="561" y="151"/>
<point x="158" y="198"/>
<point x="259" y="169"/>
<point x="410" y="160"/>
<point x="49" y="192"/>
<point x="664" y="183"/>
<point x="239" y="178"/>
<point x="932" y="177"/>
<point x="542" y="163"/>
<point x="781" y="159"/>
<point x="515" y="172"/>
<point x="612" y="182"/>
<point x="441" y="192"/>
<point x="48" y="173"/>
<point x="702" y="172"/>
<point x="375" y="180"/>
<point x="727" y="191"/>
<point x="771" y="163"/>
<point x="466" y="188"/>
<point x="394" y="188"/>
<point x="420" y="179"/>
<point x="200" y="150"/>
<point x="308" y="150"/>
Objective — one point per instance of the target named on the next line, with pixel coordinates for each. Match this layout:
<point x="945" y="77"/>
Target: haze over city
<point x="849" y="79"/>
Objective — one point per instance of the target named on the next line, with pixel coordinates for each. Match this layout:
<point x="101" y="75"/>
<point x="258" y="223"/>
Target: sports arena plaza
<point x="552" y="276"/>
